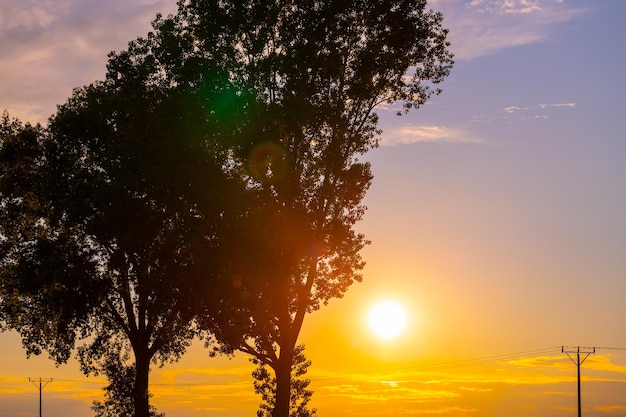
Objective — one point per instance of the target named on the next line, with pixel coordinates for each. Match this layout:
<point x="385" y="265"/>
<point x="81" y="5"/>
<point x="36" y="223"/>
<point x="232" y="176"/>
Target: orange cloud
<point x="610" y="409"/>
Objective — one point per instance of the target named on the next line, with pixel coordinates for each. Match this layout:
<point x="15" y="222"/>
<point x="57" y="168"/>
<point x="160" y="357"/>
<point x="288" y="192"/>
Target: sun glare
<point x="387" y="319"/>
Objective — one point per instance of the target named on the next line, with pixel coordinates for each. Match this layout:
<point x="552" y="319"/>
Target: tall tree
<point x="319" y="70"/>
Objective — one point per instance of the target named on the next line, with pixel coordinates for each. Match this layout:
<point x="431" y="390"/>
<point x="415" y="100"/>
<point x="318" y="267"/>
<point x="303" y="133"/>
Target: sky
<point x="496" y="215"/>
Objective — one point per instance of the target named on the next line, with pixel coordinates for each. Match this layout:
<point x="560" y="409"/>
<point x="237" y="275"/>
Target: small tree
<point x="118" y="395"/>
<point x="265" y="385"/>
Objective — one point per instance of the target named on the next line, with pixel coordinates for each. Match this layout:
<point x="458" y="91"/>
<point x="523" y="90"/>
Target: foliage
<point x="318" y="70"/>
<point x="265" y="385"/>
<point x="220" y="157"/>
<point x="118" y="395"/>
<point x="125" y="205"/>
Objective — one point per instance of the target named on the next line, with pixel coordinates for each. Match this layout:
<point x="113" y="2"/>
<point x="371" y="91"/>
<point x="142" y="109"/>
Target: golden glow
<point x="387" y="319"/>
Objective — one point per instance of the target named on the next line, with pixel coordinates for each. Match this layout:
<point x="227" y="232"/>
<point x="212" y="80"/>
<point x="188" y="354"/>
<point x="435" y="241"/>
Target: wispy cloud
<point x="571" y="105"/>
<point x="483" y="27"/>
<point x="513" y="109"/>
<point x="377" y="392"/>
<point x="605" y="363"/>
<point x="408" y="134"/>
<point x="541" y="383"/>
<point x="541" y="362"/>
<point x="537" y="111"/>
<point x="52" y="46"/>
<point x="27" y="17"/>
<point x="450" y="410"/>
<point x="611" y="409"/>
<point x="509" y="6"/>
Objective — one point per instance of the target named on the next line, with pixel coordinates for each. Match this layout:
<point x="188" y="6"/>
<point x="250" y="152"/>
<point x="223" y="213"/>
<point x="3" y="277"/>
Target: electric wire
<point x="453" y="364"/>
<point x="485" y="360"/>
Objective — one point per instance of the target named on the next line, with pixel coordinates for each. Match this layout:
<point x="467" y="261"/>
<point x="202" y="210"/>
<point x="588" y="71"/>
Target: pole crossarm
<point x="578" y="350"/>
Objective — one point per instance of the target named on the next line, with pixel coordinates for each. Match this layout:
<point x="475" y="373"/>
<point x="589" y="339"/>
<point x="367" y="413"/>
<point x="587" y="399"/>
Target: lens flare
<point x="268" y="162"/>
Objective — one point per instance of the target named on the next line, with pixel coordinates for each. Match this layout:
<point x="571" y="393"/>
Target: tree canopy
<point x="319" y="70"/>
<point x="123" y="210"/>
<point x="214" y="174"/>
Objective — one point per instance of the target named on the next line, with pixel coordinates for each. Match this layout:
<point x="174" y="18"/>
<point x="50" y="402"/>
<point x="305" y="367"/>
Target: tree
<point x="319" y="70"/>
<point x="118" y="395"/>
<point x="265" y="385"/>
<point x="110" y="220"/>
<point x="284" y="93"/>
<point x="20" y="151"/>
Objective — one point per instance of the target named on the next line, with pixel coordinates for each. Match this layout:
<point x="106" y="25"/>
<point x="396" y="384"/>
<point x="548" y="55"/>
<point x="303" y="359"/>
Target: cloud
<point x="537" y="111"/>
<point x="483" y="27"/>
<point x="52" y="46"/>
<point x="374" y="392"/>
<point x="571" y="105"/>
<point x="541" y="362"/>
<point x="476" y="389"/>
<point x="408" y="134"/>
<point x="29" y="18"/>
<point x="567" y="409"/>
<point x="513" y="109"/>
<point x="610" y="409"/>
<point x="542" y="384"/>
<point x="604" y="363"/>
<point x="508" y="6"/>
<point x="450" y="410"/>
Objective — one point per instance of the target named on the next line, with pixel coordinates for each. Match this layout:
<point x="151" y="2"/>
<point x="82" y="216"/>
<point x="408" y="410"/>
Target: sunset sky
<point x="497" y="218"/>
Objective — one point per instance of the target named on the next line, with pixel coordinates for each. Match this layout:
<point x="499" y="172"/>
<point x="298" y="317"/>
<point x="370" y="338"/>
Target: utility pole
<point x="578" y="350"/>
<point x="42" y="384"/>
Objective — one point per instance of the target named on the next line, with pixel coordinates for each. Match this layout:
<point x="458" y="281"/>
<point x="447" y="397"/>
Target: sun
<point x="387" y="319"/>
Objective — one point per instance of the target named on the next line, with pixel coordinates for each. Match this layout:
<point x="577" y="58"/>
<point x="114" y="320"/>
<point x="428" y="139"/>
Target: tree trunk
<point x="140" y="393"/>
<point x="283" y="383"/>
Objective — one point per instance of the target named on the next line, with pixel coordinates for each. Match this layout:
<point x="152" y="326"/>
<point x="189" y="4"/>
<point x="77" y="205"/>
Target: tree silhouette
<point x="265" y="385"/>
<point x="118" y="395"/>
<point x="319" y="70"/>
<point x="220" y="157"/>
<point x="114" y="231"/>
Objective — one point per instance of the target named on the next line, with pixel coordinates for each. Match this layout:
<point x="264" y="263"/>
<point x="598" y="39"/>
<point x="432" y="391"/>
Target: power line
<point x="459" y="363"/>
<point x="490" y="359"/>
<point x="426" y="367"/>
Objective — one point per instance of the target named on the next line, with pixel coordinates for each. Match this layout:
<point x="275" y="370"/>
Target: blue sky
<point x="518" y="171"/>
<point x="497" y="209"/>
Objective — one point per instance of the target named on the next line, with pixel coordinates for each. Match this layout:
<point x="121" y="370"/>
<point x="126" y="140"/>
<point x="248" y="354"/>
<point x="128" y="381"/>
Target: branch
<point x="265" y="358"/>
<point x="127" y="301"/>
<point x="304" y="295"/>
<point x="117" y="317"/>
